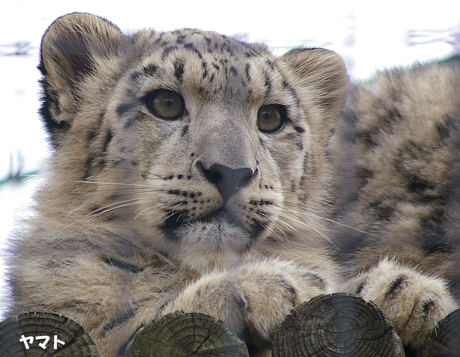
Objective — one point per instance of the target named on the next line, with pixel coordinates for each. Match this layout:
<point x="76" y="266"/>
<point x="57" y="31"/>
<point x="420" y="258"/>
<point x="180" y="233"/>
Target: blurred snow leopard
<point x="194" y="172"/>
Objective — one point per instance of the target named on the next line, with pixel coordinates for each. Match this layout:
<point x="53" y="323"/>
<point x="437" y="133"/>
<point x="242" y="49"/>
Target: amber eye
<point x="166" y="104"/>
<point x="270" y="119"/>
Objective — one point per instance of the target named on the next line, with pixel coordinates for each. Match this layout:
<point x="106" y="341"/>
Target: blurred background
<point x="369" y="36"/>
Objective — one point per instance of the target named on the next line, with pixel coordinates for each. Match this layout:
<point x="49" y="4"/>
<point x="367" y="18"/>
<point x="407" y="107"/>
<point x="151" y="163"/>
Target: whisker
<point x="170" y="214"/>
<point x="292" y="216"/>
<point x="132" y="190"/>
<point x="338" y="223"/>
<point x="115" y="204"/>
<point x="158" y="207"/>
<point x="274" y="223"/>
<point x="111" y="207"/>
<point x="137" y="170"/>
<point x="114" y="183"/>
<point x="153" y="209"/>
<point x="325" y="218"/>
<point x="284" y="191"/>
<point x="288" y="226"/>
<point x="99" y="213"/>
<point x="285" y="214"/>
<point x="275" y="234"/>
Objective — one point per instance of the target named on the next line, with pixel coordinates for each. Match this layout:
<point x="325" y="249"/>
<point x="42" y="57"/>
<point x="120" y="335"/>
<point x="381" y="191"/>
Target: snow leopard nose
<point x="227" y="180"/>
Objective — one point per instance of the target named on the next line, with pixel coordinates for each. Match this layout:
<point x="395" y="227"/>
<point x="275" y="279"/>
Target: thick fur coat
<point x="195" y="172"/>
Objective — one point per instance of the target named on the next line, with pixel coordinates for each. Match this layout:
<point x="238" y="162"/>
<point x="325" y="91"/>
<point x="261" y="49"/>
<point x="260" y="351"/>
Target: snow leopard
<point x="195" y="172"/>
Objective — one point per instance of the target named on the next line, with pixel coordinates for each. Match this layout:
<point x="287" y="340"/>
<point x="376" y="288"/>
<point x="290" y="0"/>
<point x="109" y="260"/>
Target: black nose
<point x="228" y="181"/>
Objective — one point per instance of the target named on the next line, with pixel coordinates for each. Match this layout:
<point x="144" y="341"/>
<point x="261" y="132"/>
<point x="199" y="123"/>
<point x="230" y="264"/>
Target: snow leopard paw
<point x="415" y="302"/>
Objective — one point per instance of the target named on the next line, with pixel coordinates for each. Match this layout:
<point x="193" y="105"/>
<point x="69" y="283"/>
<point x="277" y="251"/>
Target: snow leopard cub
<point x="192" y="172"/>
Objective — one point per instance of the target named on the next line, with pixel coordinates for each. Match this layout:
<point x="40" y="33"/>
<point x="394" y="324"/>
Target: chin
<point x="203" y="246"/>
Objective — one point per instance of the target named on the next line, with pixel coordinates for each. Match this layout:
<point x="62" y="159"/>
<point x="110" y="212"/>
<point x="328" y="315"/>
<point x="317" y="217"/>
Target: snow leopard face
<point x="198" y="144"/>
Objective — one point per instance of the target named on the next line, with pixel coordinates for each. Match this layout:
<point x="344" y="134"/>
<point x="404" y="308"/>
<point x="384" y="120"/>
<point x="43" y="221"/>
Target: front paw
<point x="216" y="294"/>
<point x="414" y="302"/>
<point x="273" y="289"/>
<point x="253" y="298"/>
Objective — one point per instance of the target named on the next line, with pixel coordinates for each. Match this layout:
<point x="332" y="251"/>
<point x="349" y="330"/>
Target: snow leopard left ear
<point x="321" y="84"/>
<point x="69" y="51"/>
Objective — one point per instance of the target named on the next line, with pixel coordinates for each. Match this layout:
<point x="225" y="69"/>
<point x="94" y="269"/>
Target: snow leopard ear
<point x="320" y="76"/>
<point x="69" y="51"/>
<point x="71" y="43"/>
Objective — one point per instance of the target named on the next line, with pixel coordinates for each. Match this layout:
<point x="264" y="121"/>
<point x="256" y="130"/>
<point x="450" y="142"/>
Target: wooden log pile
<point x="327" y="326"/>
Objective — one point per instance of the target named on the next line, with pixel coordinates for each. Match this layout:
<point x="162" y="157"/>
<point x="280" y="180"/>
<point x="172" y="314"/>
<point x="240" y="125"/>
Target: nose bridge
<point x="226" y="141"/>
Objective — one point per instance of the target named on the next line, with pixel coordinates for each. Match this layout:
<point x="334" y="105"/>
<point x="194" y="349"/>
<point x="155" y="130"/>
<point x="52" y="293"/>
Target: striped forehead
<point x="207" y="61"/>
<point x="203" y="42"/>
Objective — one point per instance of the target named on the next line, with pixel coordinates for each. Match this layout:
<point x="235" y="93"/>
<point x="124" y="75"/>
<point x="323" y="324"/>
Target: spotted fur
<point x="141" y="216"/>
<point x="206" y="209"/>
<point x="398" y="146"/>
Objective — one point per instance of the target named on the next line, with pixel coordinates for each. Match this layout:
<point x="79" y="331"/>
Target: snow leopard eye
<point x="271" y="119"/>
<point x="166" y="104"/>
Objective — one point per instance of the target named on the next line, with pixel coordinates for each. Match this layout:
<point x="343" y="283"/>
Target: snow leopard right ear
<point x="69" y="52"/>
<point x="71" y="43"/>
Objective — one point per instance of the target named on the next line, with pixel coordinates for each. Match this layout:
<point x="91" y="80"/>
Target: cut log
<point x="445" y="339"/>
<point x="44" y="334"/>
<point x="337" y="325"/>
<point x="186" y="334"/>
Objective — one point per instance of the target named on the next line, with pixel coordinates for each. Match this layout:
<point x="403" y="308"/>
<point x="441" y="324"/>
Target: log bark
<point x="186" y="334"/>
<point x="26" y="336"/>
<point x="445" y="339"/>
<point x="337" y="325"/>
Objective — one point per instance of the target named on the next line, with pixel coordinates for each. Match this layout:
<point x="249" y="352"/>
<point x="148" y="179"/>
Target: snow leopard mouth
<point x="178" y="223"/>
